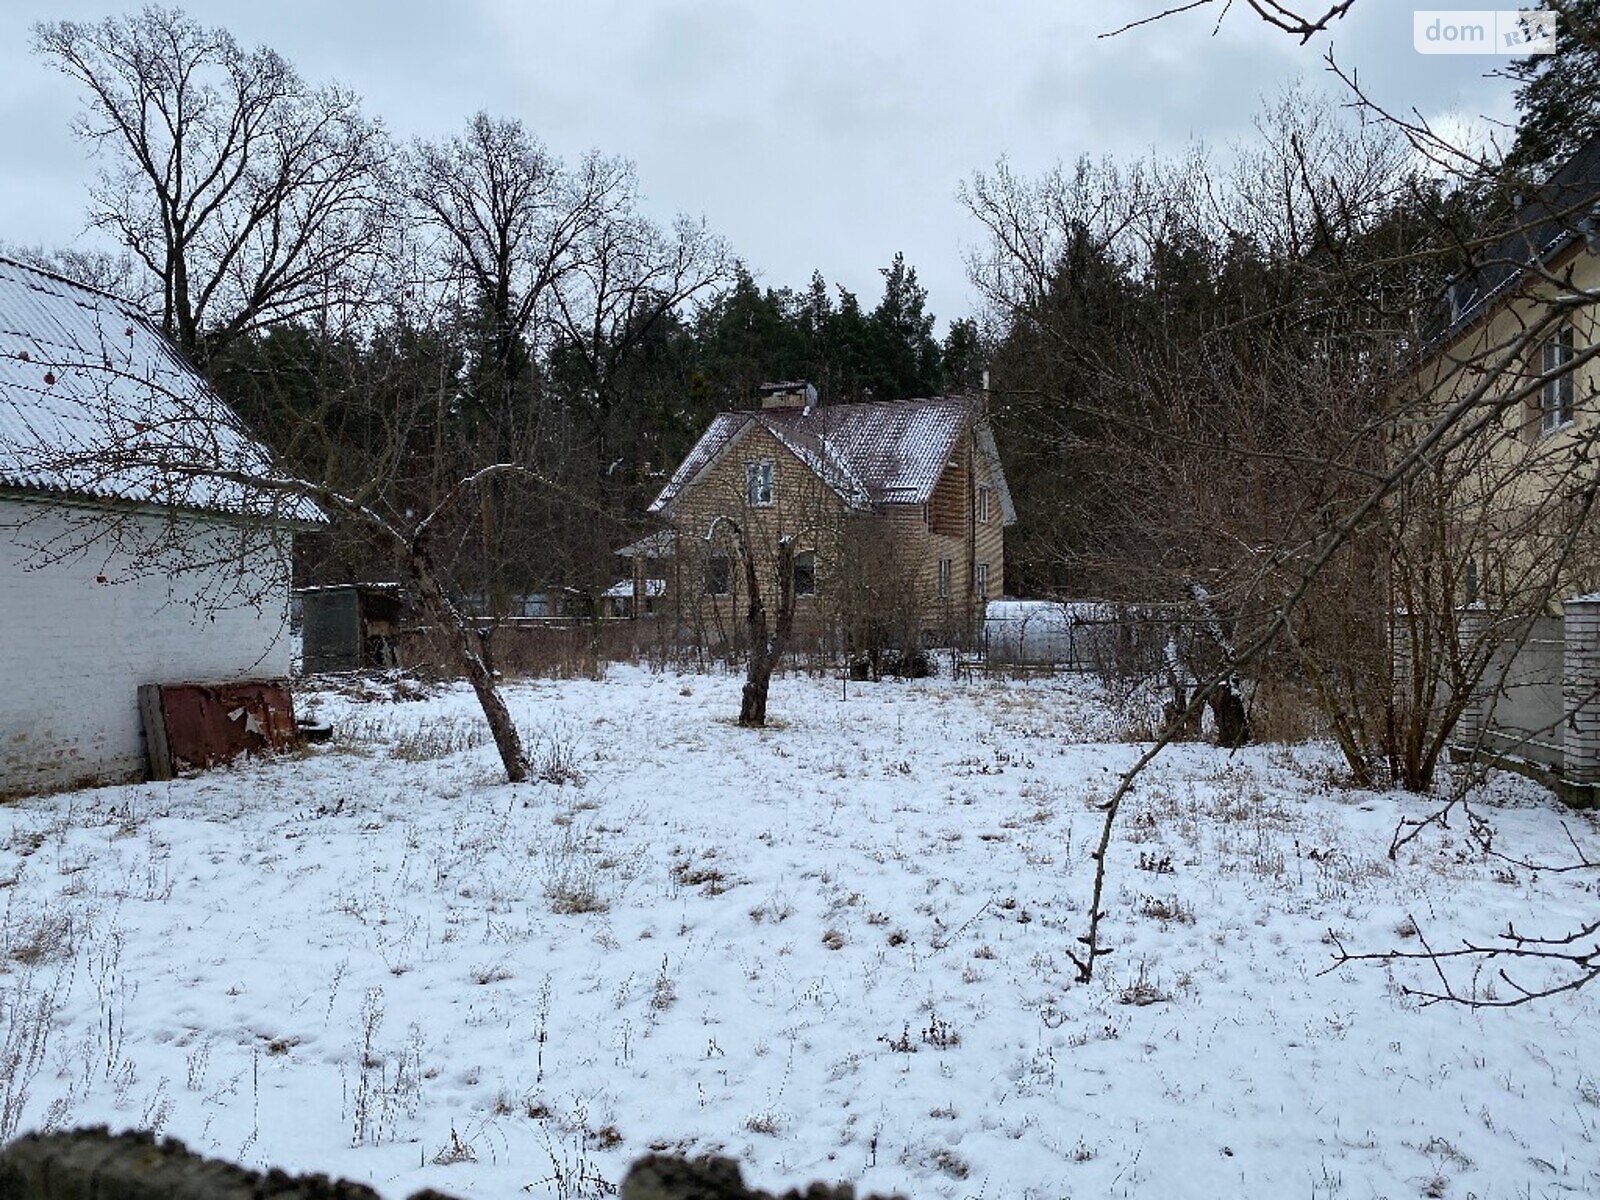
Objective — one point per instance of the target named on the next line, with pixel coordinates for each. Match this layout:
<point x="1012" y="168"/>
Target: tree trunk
<point x="461" y="643"/>
<point x="766" y="651"/>
<point x="1227" y="708"/>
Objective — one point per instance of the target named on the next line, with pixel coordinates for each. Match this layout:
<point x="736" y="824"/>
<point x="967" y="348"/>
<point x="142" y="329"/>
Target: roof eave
<point x="24" y="493"/>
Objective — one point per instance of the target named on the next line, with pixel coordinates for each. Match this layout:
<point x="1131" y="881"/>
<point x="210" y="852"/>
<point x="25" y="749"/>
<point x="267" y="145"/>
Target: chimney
<point x="1589" y="226"/>
<point x="792" y="394"/>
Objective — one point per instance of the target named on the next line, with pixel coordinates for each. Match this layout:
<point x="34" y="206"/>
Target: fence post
<point x="1471" y="626"/>
<point x="1580" y="681"/>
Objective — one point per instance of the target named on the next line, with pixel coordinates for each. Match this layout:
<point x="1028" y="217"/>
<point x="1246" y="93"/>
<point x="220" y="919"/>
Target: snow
<point x="95" y="402"/>
<point x="623" y="589"/>
<point x="834" y="949"/>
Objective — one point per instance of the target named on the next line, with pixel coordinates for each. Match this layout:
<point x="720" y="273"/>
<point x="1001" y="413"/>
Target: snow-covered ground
<point x="834" y="949"/>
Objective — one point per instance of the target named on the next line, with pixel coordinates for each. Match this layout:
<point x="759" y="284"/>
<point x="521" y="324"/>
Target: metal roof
<point x="96" y="403"/>
<point x="623" y="589"/>
<point x="1556" y="214"/>
<point x="885" y="452"/>
<point x="661" y="544"/>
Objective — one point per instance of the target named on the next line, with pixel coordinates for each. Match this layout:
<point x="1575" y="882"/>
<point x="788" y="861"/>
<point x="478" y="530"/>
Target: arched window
<point x="718" y="575"/>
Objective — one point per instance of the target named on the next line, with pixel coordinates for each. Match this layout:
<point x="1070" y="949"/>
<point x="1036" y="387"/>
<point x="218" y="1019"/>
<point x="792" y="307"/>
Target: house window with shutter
<point x="944" y="579"/>
<point x="718" y="575"/>
<point x="758" y="483"/>
<point x="805" y="573"/>
<point x="1556" y="396"/>
<point x="980" y="582"/>
<point x="983" y="504"/>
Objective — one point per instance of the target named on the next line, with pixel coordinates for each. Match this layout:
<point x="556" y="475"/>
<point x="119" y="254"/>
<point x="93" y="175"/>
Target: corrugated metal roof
<point x="95" y="402"/>
<point x="1557" y="213"/>
<point x="889" y="452"/>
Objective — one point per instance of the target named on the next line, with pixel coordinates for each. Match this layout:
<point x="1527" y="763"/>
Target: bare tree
<point x="1297" y="20"/>
<point x="507" y="216"/>
<point x="1303" y="435"/>
<point x="539" y="255"/>
<point x="629" y="275"/>
<point x="769" y="641"/>
<point x="511" y="219"/>
<point x="241" y="189"/>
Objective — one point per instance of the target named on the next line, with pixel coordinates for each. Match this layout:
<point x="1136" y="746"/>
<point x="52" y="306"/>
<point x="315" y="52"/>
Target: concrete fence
<point x="92" y="1164"/>
<point x="1537" y="705"/>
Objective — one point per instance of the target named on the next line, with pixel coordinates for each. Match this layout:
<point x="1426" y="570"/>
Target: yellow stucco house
<point x="1515" y="353"/>
<point x="1514" y="366"/>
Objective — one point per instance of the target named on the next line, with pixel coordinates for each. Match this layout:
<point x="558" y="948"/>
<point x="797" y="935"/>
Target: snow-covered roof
<point x="95" y="402"/>
<point x="623" y="589"/>
<point x="661" y="544"/>
<point x="887" y="452"/>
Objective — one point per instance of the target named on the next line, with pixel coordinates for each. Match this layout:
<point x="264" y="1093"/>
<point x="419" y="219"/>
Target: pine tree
<point x="1558" y="95"/>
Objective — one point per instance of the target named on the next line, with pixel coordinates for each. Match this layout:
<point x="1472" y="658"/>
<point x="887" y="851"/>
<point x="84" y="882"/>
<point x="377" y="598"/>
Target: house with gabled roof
<point x="1514" y="338"/>
<point x="141" y="541"/>
<point x="897" y="511"/>
<point x="1514" y="350"/>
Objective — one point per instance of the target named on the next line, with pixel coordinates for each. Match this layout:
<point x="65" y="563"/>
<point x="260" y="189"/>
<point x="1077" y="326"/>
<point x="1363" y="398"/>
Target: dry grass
<point x="1284" y="711"/>
<point x="39" y="938"/>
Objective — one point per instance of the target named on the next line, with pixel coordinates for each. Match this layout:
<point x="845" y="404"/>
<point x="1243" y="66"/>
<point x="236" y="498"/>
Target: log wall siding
<point x="989" y="536"/>
<point x="805" y="508"/>
<point x="948" y="509"/>
<point x="802" y="507"/>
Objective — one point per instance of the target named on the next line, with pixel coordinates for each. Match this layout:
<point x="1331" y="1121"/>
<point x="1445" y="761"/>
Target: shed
<point x="139" y="542"/>
<point x="349" y="627"/>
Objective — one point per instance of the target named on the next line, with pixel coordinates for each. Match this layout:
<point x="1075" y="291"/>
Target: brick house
<point x="897" y="509"/>
<point x="122" y="561"/>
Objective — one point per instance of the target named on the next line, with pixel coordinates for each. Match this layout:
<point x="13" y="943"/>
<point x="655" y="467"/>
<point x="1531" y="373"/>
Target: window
<point x="981" y="582"/>
<point x="983" y="504"/>
<point x="1557" y="394"/>
<point x="758" y="482"/>
<point x="717" y="575"/>
<point x="944" y="579"/>
<point x="805" y="573"/>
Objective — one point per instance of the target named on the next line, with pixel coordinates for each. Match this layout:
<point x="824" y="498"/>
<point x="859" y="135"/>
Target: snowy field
<point x="834" y="949"/>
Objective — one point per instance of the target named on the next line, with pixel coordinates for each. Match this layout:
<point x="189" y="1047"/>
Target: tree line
<point x="388" y="314"/>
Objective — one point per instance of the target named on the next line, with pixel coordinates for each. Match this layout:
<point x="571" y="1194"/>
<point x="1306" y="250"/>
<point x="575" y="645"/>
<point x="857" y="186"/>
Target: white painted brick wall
<point x="1471" y="626"/>
<point x="1580" y="681"/>
<point x="74" y="650"/>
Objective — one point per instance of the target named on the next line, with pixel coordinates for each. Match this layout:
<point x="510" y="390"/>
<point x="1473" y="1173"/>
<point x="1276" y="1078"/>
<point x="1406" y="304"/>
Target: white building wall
<point x="1581" y="689"/>
<point x="85" y="620"/>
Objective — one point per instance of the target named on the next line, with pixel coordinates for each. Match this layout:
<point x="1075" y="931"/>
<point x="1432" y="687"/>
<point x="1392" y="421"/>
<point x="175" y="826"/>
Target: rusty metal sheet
<point x="211" y="723"/>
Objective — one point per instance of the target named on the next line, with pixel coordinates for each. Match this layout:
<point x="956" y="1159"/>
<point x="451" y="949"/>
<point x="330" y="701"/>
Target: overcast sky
<point x="815" y="133"/>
